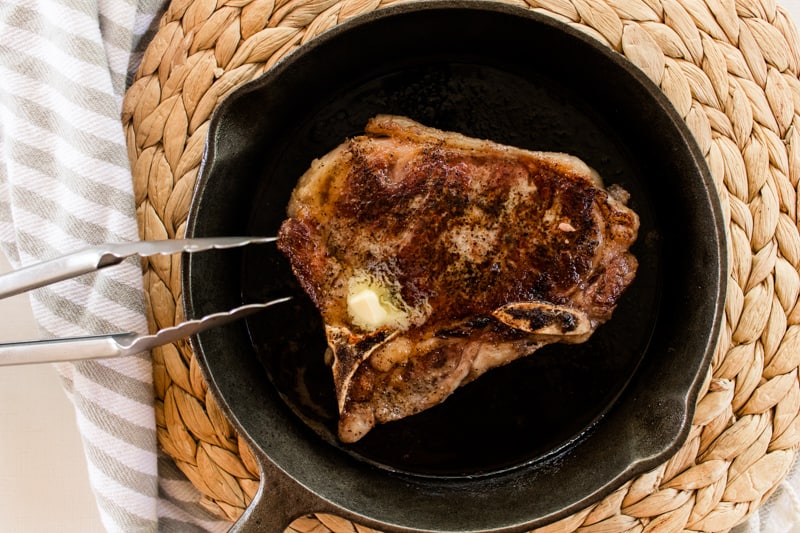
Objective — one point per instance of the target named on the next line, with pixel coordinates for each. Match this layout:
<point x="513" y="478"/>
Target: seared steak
<point x="434" y="257"/>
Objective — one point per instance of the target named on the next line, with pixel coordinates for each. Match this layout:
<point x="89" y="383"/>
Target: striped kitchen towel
<point x="65" y="183"/>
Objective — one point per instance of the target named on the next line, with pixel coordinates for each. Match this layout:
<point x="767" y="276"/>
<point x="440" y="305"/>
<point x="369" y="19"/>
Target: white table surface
<point x="43" y="481"/>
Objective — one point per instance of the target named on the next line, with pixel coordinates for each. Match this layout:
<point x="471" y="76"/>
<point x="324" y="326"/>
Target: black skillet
<point x="530" y="442"/>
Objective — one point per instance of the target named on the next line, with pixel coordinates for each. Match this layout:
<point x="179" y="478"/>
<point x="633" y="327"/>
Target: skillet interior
<point x="550" y="432"/>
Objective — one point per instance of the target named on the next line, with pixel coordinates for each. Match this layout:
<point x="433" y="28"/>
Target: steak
<point x="434" y="257"/>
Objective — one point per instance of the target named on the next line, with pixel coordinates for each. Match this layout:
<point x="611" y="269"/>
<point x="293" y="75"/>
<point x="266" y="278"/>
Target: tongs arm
<point x="63" y="349"/>
<point x="113" y="345"/>
<point x="104" y="255"/>
<point x="54" y="270"/>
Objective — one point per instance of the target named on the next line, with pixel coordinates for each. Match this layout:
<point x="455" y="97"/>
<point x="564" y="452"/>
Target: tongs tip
<point x="194" y="326"/>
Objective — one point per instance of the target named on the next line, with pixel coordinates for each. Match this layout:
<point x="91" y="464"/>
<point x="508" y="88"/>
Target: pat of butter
<point x="366" y="310"/>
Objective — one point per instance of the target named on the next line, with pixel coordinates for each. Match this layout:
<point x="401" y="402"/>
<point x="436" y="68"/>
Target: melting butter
<point x="366" y="310"/>
<point x="373" y="302"/>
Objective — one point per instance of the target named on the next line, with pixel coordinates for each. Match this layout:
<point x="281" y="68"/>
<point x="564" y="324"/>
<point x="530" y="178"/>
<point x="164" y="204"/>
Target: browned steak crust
<point x="481" y="252"/>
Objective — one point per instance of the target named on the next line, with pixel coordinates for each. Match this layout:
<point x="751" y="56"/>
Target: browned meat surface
<point x="434" y="257"/>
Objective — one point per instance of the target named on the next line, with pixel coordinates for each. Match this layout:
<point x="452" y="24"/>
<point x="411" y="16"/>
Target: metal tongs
<point x="118" y="344"/>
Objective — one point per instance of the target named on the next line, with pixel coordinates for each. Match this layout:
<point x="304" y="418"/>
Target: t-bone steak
<point x="434" y="257"/>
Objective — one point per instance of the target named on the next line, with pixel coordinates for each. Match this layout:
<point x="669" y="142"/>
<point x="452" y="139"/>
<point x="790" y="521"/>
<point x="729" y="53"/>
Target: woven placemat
<point x="731" y="70"/>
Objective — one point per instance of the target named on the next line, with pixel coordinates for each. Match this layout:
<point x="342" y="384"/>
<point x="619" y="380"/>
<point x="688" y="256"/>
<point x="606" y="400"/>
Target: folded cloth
<point x="65" y="182"/>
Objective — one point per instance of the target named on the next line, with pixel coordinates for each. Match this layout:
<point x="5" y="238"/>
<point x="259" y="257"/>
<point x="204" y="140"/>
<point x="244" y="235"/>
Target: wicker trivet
<point x="730" y="68"/>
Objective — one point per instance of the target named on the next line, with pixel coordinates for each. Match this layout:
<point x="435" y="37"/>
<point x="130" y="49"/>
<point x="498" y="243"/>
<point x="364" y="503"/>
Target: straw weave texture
<point x="730" y="67"/>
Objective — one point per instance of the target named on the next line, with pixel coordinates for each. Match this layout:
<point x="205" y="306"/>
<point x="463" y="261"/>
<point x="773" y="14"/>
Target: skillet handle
<point x="278" y="502"/>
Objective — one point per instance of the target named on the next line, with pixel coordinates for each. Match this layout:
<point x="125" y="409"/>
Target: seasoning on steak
<point x="434" y="257"/>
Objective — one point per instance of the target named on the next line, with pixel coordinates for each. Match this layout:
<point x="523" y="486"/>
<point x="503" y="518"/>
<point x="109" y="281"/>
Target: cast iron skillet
<point x="530" y="442"/>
